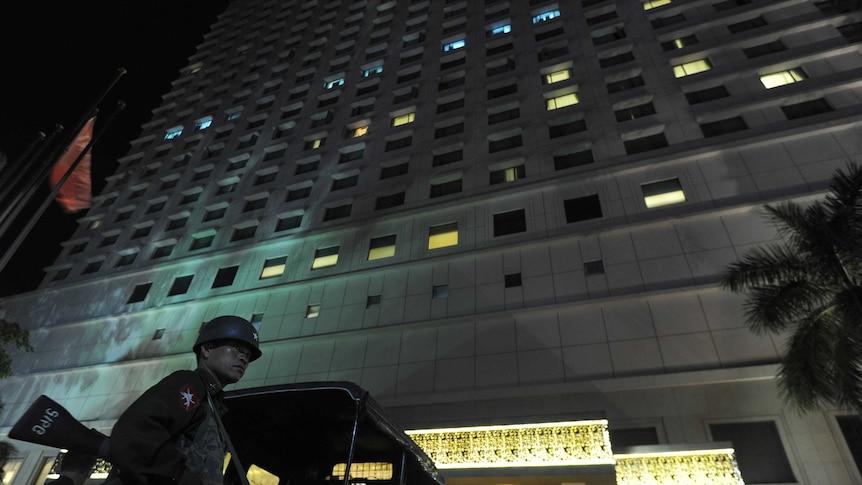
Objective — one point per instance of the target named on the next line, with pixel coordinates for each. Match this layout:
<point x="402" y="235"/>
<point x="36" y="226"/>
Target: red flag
<point x="75" y="193"/>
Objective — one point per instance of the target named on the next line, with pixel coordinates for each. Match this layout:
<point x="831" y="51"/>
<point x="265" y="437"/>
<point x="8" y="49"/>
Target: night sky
<point x="55" y="59"/>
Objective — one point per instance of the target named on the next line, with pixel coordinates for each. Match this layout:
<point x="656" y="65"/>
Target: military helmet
<point x="230" y="327"/>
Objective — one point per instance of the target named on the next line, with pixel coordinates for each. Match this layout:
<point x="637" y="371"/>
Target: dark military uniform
<point x="169" y="435"/>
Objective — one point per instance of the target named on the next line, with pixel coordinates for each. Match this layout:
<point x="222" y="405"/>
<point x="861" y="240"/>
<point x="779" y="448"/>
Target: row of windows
<point x="655" y="194"/>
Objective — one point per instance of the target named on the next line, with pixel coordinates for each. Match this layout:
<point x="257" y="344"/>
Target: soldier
<point x="171" y="434"/>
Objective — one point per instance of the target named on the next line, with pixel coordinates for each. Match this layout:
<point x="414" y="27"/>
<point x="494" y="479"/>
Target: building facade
<point x="484" y="213"/>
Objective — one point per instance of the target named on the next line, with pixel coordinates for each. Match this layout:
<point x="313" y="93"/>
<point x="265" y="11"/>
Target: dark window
<point x="582" y="208"/>
<point x="729" y="4"/>
<point x="296" y="194"/>
<point x="708" y="94"/>
<point x="180" y="285"/>
<point x="189" y="198"/>
<point x="302" y="168"/>
<point x="372" y="301"/>
<point x="512" y="280"/>
<point x="502" y="91"/>
<point x="722" y="127"/>
<point x="617" y="34"/>
<point x="594" y="268"/>
<point x="451" y="105"/>
<point x="127" y="259"/>
<point x="332" y="213"/>
<point x="759" y="451"/>
<point x="449" y="130"/>
<point x="445" y="188"/>
<point x="634" y="112"/>
<point x="225" y="276"/>
<point x="575" y="159"/>
<point x="679" y="43"/>
<point x="505" y="144"/>
<point x="289" y="222"/>
<point x="540" y="36"/>
<point x="502" y="116"/>
<point x="548" y="53"/>
<point x="616" y="60"/>
<point x="806" y="108"/>
<point x="511" y="222"/>
<point x="501" y="48"/>
<point x="448" y="157"/>
<point x="764" y="49"/>
<point x="351" y="156"/>
<point x="393" y="171"/>
<point x="451" y="83"/>
<point x="602" y="18"/>
<point x="92" y="267"/>
<point x="746" y="25"/>
<point x="622" y="85"/>
<point x="402" y="142"/>
<point x="215" y="214"/>
<point x="851" y="32"/>
<point x="646" y="143"/>
<point x="255" y="204"/>
<point x="507" y="66"/>
<point x="139" y="293"/>
<point x="665" y="21"/>
<point x="387" y="201"/>
<point x="625" y="437"/>
<point x="177" y="223"/>
<point x="141" y="232"/>
<point x="162" y="251"/>
<point x="453" y="63"/>
<point x="108" y="240"/>
<point x="851" y="429"/>
<point x="243" y="233"/>
<point x="577" y="126"/>
<point x="345" y="182"/>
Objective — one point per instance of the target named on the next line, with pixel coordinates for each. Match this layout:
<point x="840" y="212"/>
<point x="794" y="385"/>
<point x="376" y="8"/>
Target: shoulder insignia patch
<point x="188" y="399"/>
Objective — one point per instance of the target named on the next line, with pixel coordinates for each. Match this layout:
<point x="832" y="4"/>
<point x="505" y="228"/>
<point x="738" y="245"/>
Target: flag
<point x="75" y="193"/>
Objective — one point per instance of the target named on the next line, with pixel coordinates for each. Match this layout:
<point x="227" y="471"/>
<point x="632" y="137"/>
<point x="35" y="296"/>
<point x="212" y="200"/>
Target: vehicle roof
<point x="299" y="431"/>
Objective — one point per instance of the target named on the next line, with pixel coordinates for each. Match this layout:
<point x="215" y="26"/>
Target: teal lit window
<point x="451" y="46"/>
<point x="504" y="29"/>
<point x="334" y="83"/>
<point x="372" y="71"/>
<point x="545" y="16"/>
<point x="173" y="133"/>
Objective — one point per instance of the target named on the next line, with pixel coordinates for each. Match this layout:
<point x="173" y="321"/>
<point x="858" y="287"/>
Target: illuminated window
<point x="372" y="71"/>
<point x="561" y="101"/>
<point x="365" y="471"/>
<point x="334" y="83"/>
<point x="360" y="131"/>
<point x="403" y="119"/>
<point x="558" y="76"/>
<point x="273" y="267"/>
<point x="204" y="124"/>
<point x="442" y="236"/>
<point x="324" y="258"/>
<point x="651" y="4"/>
<point x="679" y="43"/>
<point x="451" y="46"/>
<point x="173" y="133"/>
<point x="504" y="29"/>
<point x="505" y="175"/>
<point x="665" y="192"/>
<point x="690" y="68"/>
<point x="10" y="469"/>
<point x="381" y="247"/>
<point x="776" y="79"/>
<point x="312" y="311"/>
<point x="314" y="144"/>
<point x="543" y="17"/>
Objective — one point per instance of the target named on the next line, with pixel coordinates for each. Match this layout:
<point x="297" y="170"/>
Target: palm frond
<point x="767" y="265"/>
<point x="806" y="375"/>
<point x="776" y="308"/>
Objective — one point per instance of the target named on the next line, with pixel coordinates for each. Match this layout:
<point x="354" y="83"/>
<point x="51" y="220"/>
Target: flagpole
<point x="13" y="205"/>
<point x="11" y="175"/>
<point x="42" y="208"/>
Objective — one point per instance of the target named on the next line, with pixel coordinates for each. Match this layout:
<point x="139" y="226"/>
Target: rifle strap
<point x="233" y="456"/>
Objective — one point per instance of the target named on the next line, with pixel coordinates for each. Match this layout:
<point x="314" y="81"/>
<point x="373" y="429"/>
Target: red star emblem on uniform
<point x="188" y="399"/>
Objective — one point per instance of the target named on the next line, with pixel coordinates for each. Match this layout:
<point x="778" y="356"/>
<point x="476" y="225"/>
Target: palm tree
<point x="808" y="288"/>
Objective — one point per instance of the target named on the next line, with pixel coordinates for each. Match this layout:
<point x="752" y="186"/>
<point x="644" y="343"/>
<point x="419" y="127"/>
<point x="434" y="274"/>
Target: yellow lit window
<point x="558" y="76"/>
<point x="360" y="131"/>
<point x="366" y="471"/>
<point x="443" y="236"/>
<point x="403" y="119"/>
<point x="690" y="68"/>
<point x="562" y="101"/>
<point x="776" y="79"/>
<point x="324" y="258"/>
<point x="273" y="267"/>
<point x="381" y="247"/>
<point x="665" y="192"/>
<point x="651" y="4"/>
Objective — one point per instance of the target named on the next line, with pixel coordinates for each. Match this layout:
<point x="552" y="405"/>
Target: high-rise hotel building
<point x="483" y="212"/>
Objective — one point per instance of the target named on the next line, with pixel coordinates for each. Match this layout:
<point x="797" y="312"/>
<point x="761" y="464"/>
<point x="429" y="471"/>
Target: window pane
<point x="759" y="451"/>
<point x="443" y="236"/>
<point x="381" y="247"/>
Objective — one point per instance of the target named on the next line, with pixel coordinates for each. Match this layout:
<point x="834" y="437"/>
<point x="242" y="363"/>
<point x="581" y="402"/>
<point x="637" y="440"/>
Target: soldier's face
<point x="227" y="360"/>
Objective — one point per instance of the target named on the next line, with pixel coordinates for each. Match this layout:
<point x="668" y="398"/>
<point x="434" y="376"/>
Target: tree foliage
<point x="808" y="288"/>
<point x="10" y="334"/>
